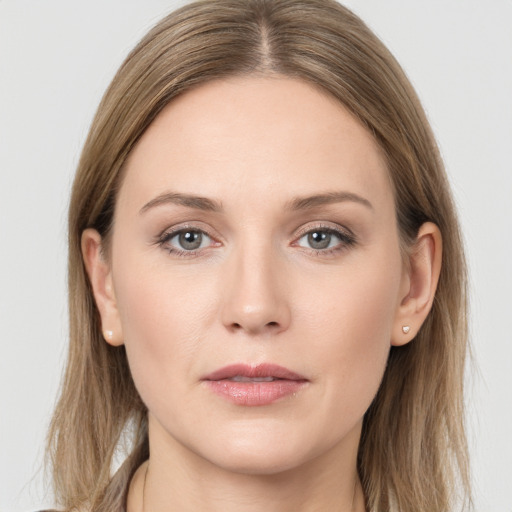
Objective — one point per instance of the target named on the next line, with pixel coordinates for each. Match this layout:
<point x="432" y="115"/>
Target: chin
<point x="259" y="463"/>
<point x="265" y="453"/>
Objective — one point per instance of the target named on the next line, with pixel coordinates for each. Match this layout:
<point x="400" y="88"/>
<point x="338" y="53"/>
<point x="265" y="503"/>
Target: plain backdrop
<point x="56" y="59"/>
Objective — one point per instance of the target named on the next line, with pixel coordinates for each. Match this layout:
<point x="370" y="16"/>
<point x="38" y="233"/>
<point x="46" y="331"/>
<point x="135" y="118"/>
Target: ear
<point x="100" y="276"/>
<point x="419" y="283"/>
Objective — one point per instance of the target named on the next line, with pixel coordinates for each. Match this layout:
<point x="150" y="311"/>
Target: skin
<point x="257" y="291"/>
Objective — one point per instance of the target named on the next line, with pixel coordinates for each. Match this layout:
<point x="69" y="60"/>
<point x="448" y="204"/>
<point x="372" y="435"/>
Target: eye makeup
<point x="320" y="239"/>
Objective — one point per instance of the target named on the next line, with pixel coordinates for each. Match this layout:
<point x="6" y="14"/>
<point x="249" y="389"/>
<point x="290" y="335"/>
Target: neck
<point x="176" y="479"/>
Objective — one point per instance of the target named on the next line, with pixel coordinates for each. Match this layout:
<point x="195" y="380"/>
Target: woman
<point x="257" y="300"/>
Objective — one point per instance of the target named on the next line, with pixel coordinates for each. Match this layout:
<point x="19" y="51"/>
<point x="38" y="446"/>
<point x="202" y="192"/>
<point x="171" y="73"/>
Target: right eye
<point x="186" y="240"/>
<point x="320" y="239"/>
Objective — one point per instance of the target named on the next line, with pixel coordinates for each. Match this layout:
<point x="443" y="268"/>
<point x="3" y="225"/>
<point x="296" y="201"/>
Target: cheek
<point x="353" y="316"/>
<point x="161" y="322"/>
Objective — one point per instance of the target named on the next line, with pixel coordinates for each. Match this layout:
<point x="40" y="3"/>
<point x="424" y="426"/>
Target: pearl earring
<point x="406" y="329"/>
<point x="108" y="335"/>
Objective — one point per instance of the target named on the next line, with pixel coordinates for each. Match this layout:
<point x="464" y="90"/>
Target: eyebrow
<point x="310" y="202"/>
<point x="190" y="201"/>
<point x="298" y="203"/>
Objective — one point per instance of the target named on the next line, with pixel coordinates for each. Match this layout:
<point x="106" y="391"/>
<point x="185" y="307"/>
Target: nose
<point x="255" y="294"/>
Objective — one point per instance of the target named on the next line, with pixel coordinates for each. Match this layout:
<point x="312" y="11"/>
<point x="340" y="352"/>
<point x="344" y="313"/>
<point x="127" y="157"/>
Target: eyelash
<point x="346" y="238"/>
<point x="168" y="235"/>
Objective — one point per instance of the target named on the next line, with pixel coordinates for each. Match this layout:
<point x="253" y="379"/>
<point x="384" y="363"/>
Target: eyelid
<point x="176" y="238"/>
<point x="346" y="236"/>
<point x="167" y="234"/>
<point x="190" y="225"/>
<point x="325" y="226"/>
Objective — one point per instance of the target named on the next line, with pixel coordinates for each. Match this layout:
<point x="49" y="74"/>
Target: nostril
<point x="240" y="327"/>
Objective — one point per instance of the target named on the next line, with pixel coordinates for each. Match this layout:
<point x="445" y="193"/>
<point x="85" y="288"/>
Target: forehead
<point x="255" y="134"/>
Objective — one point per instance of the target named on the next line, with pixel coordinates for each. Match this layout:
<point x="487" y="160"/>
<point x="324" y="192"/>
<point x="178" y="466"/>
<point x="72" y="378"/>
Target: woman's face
<point x="255" y="227"/>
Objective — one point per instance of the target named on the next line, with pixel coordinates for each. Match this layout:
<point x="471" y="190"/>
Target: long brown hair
<point x="412" y="454"/>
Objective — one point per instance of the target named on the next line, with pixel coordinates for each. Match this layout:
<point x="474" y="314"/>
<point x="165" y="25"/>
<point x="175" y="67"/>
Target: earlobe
<point x="419" y="284"/>
<point x="100" y="277"/>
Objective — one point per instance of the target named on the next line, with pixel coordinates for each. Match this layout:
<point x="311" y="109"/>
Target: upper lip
<point x="251" y="371"/>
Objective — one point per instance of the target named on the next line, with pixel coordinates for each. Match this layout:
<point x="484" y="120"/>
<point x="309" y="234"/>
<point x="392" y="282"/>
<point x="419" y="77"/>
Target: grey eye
<point x="320" y="239"/>
<point x="190" y="240"/>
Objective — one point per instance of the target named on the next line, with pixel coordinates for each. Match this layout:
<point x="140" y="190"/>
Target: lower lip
<point x="255" y="393"/>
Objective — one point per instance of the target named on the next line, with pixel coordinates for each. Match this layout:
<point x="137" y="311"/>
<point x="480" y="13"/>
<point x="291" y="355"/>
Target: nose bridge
<point x="255" y="300"/>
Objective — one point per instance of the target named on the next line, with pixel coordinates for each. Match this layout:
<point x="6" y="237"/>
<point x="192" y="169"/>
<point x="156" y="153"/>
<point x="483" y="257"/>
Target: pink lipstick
<point x="248" y="385"/>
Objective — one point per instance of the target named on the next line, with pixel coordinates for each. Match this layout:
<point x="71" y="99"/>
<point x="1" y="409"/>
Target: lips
<point x="259" y="385"/>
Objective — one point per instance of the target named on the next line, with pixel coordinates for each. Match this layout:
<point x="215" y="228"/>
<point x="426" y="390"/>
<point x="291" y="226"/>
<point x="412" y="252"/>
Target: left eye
<point x="189" y="240"/>
<point x="320" y="239"/>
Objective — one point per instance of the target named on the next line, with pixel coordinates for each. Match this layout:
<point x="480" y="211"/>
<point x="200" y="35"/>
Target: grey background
<point x="56" y="59"/>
